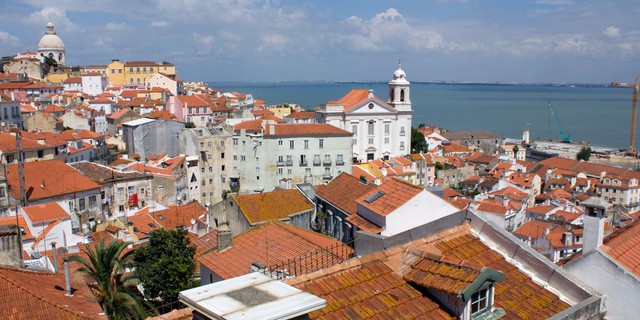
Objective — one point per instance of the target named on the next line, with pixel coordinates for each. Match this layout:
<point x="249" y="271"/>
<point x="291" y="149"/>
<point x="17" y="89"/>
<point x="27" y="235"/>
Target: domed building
<point x="51" y="45"/>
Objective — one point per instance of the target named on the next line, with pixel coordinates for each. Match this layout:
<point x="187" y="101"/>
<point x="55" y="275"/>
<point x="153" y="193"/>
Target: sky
<point x="530" y="41"/>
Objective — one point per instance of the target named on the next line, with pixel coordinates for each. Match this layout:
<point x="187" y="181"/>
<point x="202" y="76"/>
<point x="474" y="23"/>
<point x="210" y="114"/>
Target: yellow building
<point x="95" y="69"/>
<point x="138" y="72"/>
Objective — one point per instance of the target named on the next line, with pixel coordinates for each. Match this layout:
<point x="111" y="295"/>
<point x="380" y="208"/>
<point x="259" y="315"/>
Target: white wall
<point x="425" y="207"/>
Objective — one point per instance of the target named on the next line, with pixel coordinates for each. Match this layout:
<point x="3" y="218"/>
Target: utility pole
<point x="21" y="178"/>
<point x="634" y="114"/>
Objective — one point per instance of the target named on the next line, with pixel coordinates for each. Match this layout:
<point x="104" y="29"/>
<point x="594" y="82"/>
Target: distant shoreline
<point x="579" y="85"/>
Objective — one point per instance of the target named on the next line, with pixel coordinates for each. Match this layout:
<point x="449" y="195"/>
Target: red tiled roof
<point x="45" y="213"/>
<point x="273" y="205"/>
<point x="356" y="97"/>
<point x="541" y="209"/>
<point x="304" y="129"/>
<point x="492" y="206"/>
<point x="533" y="229"/>
<point x="454" y="147"/>
<point x="344" y="191"/>
<point x="48" y="178"/>
<point x="566" y="215"/>
<point x="510" y="192"/>
<point x="161" y="114"/>
<point x="175" y="216"/>
<point x="558" y="162"/>
<point x="396" y="192"/>
<point x="460" y="203"/>
<point x="273" y="244"/>
<point x="441" y="275"/>
<point x="555" y="238"/>
<point x="363" y="224"/>
<point x="301" y="115"/>
<point x="41" y="295"/>
<point x="624" y="247"/>
<point x="21" y="222"/>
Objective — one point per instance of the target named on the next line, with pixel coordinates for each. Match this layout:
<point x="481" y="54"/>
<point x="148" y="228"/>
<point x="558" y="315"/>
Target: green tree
<point x="189" y="124"/>
<point x="418" y="142"/>
<point x="165" y="265"/>
<point x="584" y="154"/>
<point x="115" y="292"/>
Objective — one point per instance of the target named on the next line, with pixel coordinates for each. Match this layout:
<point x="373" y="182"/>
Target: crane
<point x="566" y="138"/>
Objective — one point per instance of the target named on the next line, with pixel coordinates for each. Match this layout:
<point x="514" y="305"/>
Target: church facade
<point x="381" y="129"/>
<point x="51" y="45"/>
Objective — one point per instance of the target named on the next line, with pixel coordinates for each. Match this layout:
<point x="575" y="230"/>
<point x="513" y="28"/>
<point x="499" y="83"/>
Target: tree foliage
<point x="189" y="124"/>
<point x="418" y="142"/>
<point x="114" y="290"/>
<point x="584" y="154"/>
<point x="165" y="265"/>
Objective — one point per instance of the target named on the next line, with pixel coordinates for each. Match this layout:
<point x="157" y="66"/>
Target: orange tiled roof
<point x="518" y="295"/>
<point x="510" y="192"/>
<point x="533" y="229"/>
<point x="492" y="206"/>
<point x="343" y="192"/>
<point x="49" y="178"/>
<point x="45" y="213"/>
<point x="41" y="295"/>
<point x="22" y="223"/>
<point x="541" y="209"/>
<point x="301" y="115"/>
<point x="301" y="129"/>
<point x="355" y="97"/>
<point x="175" y="216"/>
<point x="624" y="247"/>
<point x="566" y="215"/>
<point x="273" y="205"/>
<point x="395" y="193"/>
<point x="558" y="162"/>
<point x="364" y="224"/>
<point x="460" y="203"/>
<point x="272" y="244"/>
<point x="441" y="275"/>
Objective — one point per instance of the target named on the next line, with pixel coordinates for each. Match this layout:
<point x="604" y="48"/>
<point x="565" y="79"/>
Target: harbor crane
<point x="566" y="137"/>
<point x="634" y="114"/>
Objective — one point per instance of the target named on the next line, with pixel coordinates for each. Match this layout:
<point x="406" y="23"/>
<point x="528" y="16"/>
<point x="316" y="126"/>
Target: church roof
<point x="50" y="41"/>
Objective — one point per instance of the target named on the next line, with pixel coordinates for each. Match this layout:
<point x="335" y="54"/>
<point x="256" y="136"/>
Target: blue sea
<point x="598" y="114"/>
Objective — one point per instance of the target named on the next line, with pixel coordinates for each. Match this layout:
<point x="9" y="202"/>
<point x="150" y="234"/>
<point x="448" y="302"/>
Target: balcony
<point x="289" y="163"/>
<point x="280" y="163"/>
<point x="316" y="162"/>
<point x="339" y="163"/>
<point x="303" y="163"/>
<point x="326" y="162"/>
<point x="326" y="176"/>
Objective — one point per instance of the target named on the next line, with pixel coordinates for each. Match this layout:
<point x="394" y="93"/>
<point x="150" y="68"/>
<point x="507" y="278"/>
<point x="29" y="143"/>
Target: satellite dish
<point x="193" y="221"/>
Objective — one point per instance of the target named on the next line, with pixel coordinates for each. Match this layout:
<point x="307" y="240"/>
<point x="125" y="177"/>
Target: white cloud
<point x="159" y="24"/>
<point x="611" y="32"/>
<point x="273" y="42"/>
<point x="56" y="15"/>
<point x="203" y="44"/>
<point x="115" y="26"/>
<point x="7" y="39"/>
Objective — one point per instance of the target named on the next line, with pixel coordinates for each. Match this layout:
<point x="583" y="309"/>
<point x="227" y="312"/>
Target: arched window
<point x="60" y="57"/>
<point x="402" y="95"/>
<point x="138" y="81"/>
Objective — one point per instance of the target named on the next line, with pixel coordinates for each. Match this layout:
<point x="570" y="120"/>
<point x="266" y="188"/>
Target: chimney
<point x="370" y="94"/>
<point x="593" y="233"/>
<point x="67" y="278"/>
<point x="363" y="179"/>
<point x="13" y="96"/>
<point x="55" y="256"/>
<point x="224" y="239"/>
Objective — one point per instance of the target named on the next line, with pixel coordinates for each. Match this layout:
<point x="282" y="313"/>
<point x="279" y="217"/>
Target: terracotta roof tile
<point x="356" y="97"/>
<point x="304" y="129"/>
<point x="273" y="244"/>
<point x="624" y="247"/>
<point x="21" y="222"/>
<point x="49" y="178"/>
<point x="492" y="206"/>
<point x="566" y="215"/>
<point x="301" y="115"/>
<point x="391" y="194"/>
<point x="273" y="205"/>
<point x="45" y="213"/>
<point x="344" y="191"/>
<point x="364" y="224"/>
<point x="41" y="295"/>
<point x="533" y="229"/>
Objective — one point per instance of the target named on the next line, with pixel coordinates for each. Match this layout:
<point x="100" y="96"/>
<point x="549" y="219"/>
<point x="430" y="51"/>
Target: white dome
<point x="399" y="74"/>
<point x="399" y="77"/>
<point x="50" y="41"/>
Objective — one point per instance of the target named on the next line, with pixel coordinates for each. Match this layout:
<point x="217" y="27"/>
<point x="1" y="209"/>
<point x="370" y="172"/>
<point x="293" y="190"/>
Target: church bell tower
<point x="400" y="91"/>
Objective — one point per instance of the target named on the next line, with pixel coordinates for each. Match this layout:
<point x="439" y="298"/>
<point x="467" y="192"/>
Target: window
<point x="279" y="142"/>
<point x="280" y="171"/>
<point x="222" y="155"/>
<point x="138" y="70"/>
<point x="321" y="143"/>
<point x="222" y="143"/>
<point x="402" y="133"/>
<point x="370" y="140"/>
<point x="386" y="140"/>
<point x="258" y="170"/>
<point x="291" y="144"/>
<point x="339" y="160"/>
<point x="92" y="201"/>
<point x="1" y="192"/>
<point x="210" y="169"/>
<point x="222" y="168"/>
<point x="387" y="129"/>
<point x="289" y="161"/>
<point x="354" y="129"/>
<point x="327" y="159"/>
<point x="235" y="141"/>
<point x="370" y="128"/>
<point x="131" y="190"/>
<point x="40" y="154"/>
<point x="306" y="144"/>
<point x="190" y="110"/>
<point x="401" y="145"/>
<point x="479" y="301"/>
<point x="120" y="192"/>
<point x="150" y="69"/>
<point x="303" y="160"/>
<point x="243" y="158"/>
<point x="81" y="204"/>
<point x="131" y="70"/>
<point x="197" y="109"/>
<point x="113" y="71"/>
<point x="235" y="158"/>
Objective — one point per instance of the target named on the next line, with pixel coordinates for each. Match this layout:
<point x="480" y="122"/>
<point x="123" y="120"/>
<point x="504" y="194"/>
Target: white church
<point x="381" y="130"/>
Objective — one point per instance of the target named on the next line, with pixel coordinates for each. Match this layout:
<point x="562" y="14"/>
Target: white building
<point x="51" y="45"/>
<point x="288" y="154"/>
<point x="381" y="130"/>
<point x="93" y="83"/>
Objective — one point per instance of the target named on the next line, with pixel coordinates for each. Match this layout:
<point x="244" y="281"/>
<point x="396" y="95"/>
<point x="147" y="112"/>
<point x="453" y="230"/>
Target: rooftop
<point x="279" y="204"/>
<point x="45" y="213"/>
<point x="343" y="191"/>
<point x="389" y="196"/>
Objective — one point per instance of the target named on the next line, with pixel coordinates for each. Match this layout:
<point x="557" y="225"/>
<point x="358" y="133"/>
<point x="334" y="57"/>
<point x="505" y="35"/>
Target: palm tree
<point x="113" y="289"/>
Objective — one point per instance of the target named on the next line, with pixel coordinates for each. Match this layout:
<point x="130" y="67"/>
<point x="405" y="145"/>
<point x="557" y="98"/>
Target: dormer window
<point x="481" y="301"/>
